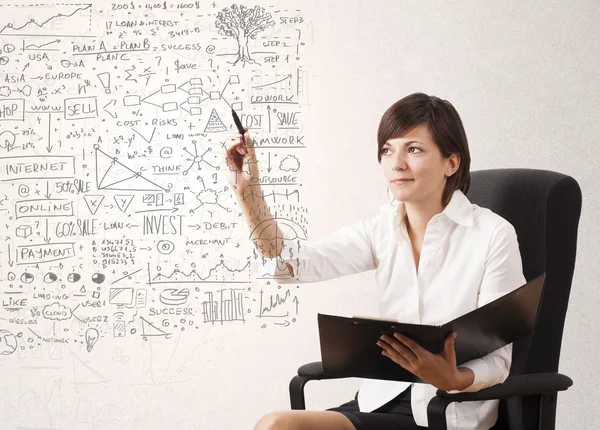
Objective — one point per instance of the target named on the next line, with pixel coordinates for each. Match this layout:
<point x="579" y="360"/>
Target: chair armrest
<point x="314" y="371"/>
<point x="515" y="386"/>
<point x="544" y="385"/>
<point x="308" y="372"/>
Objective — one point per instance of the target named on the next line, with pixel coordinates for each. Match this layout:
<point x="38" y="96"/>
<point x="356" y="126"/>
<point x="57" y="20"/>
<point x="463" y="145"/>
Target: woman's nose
<point x="399" y="162"/>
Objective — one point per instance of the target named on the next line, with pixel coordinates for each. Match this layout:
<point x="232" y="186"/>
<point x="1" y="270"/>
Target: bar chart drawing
<point x="228" y="306"/>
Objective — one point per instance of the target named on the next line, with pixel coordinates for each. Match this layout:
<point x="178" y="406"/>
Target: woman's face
<point x="416" y="157"/>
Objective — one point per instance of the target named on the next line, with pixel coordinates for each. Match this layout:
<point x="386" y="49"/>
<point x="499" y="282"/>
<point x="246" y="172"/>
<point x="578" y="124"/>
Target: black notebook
<point x="349" y="345"/>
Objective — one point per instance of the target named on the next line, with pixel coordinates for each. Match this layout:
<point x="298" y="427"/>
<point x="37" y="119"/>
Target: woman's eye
<point x="412" y="147"/>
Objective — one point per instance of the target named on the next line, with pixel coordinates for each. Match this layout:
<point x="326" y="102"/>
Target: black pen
<point x="237" y="121"/>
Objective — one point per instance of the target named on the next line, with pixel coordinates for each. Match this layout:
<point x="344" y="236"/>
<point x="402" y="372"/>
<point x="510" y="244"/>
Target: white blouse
<point x="469" y="257"/>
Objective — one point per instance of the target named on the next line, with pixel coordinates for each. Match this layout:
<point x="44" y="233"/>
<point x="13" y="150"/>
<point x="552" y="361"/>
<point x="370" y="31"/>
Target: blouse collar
<point x="459" y="209"/>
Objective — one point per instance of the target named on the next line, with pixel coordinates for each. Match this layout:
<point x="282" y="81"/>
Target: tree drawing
<point x="243" y="23"/>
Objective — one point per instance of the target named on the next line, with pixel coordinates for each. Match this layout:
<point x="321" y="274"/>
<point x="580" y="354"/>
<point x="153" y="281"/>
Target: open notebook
<point x="349" y="345"/>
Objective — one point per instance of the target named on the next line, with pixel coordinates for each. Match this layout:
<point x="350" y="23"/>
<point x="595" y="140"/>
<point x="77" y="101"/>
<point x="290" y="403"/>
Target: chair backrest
<point x="544" y="207"/>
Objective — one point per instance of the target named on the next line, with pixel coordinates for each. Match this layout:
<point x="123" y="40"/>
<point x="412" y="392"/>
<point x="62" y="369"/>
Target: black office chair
<point x="544" y="207"/>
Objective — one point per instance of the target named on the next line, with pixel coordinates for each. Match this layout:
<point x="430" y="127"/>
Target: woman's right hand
<point x="241" y="159"/>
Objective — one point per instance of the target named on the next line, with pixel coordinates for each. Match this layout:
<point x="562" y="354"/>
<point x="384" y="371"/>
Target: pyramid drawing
<point x="214" y="123"/>
<point x="111" y="174"/>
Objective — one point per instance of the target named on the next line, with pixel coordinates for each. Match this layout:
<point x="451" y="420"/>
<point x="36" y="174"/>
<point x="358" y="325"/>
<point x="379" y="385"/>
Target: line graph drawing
<point x="288" y="77"/>
<point x="33" y="22"/>
<point x="216" y="274"/>
<point x="48" y="46"/>
<point x="110" y="172"/>
<point x="276" y="302"/>
<point x="278" y="88"/>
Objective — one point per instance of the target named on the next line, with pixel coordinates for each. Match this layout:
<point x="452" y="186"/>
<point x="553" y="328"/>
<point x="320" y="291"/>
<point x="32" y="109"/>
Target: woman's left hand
<point x="438" y="370"/>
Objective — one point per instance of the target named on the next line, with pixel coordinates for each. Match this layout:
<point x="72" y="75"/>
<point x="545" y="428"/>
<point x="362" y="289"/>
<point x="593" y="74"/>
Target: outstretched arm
<point x="347" y="250"/>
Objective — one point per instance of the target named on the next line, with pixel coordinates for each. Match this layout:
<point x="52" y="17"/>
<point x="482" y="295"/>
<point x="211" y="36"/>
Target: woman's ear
<point x="454" y="164"/>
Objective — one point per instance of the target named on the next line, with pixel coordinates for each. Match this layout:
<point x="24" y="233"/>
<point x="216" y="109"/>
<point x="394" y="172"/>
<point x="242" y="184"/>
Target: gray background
<point x="523" y="77"/>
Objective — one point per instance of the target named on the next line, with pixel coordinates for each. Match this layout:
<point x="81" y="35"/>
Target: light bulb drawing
<point x="91" y="337"/>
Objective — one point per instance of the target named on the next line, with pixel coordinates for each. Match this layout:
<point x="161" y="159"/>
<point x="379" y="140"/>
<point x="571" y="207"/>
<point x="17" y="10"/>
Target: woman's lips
<point x="401" y="181"/>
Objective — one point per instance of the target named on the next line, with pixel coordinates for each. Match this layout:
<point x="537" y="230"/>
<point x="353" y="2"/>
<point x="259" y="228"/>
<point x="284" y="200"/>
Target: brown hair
<point x="445" y="127"/>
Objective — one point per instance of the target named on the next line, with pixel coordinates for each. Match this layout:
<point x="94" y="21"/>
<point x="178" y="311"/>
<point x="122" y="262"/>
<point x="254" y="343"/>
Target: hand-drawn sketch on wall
<point x="119" y="227"/>
<point x="42" y="16"/>
<point x="242" y="24"/>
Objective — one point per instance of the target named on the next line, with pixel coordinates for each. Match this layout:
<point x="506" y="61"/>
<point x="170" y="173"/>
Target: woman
<point x="436" y="255"/>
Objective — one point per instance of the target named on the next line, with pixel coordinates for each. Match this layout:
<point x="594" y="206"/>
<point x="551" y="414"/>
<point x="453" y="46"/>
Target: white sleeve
<point x="343" y="252"/>
<point x="503" y="273"/>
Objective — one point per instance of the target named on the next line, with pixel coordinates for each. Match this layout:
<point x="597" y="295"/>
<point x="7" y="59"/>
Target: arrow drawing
<point x="112" y="102"/>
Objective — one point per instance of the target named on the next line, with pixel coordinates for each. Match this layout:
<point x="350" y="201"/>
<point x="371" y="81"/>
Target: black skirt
<point x="394" y="415"/>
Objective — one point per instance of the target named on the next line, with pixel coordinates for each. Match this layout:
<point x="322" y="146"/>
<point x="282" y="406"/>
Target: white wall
<point x="521" y="75"/>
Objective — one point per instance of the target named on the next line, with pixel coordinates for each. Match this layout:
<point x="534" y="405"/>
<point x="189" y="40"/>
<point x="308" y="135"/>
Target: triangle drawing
<point x="123" y="201"/>
<point x="93" y="202"/>
<point x="149" y="329"/>
<point x="214" y="123"/>
<point x="111" y="174"/>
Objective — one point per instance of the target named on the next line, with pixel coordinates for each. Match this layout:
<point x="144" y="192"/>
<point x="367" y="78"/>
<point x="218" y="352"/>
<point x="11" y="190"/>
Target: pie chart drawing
<point x="174" y="296"/>
<point x="50" y="278"/>
<point x="98" y="278"/>
<point x="27" y="278"/>
<point x="73" y="277"/>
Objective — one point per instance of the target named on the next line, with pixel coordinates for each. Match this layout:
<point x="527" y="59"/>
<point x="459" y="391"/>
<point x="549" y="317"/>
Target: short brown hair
<point x="444" y="125"/>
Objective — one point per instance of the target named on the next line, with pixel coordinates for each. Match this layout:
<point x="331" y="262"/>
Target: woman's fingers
<point x="234" y="146"/>
<point x="244" y="144"/>
<point x="241" y="158"/>
<point x="234" y="157"/>
<point x="248" y="143"/>
<point x="395" y="345"/>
